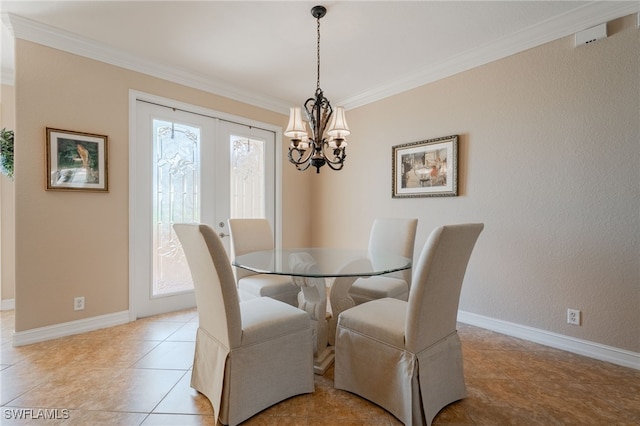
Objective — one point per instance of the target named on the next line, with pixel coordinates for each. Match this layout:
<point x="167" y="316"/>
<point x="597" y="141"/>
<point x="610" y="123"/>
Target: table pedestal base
<point x="313" y="300"/>
<point x="323" y="360"/>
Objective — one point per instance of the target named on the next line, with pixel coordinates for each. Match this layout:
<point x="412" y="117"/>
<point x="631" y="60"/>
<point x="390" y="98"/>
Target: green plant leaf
<point x="6" y="152"/>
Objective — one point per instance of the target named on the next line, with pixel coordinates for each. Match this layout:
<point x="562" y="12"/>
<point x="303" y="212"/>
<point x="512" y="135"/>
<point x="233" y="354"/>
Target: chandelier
<point x="320" y="147"/>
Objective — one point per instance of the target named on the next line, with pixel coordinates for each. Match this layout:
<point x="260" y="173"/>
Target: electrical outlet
<point x="78" y="303"/>
<point x="573" y="316"/>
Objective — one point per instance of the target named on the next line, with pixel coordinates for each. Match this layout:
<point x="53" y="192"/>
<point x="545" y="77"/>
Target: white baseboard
<point x="554" y="340"/>
<point x="69" y="328"/>
<point x="8" y="305"/>
<point x="571" y="344"/>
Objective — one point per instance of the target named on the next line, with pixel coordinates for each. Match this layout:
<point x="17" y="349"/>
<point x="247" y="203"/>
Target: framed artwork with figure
<point x="426" y="168"/>
<point x="76" y="161"/>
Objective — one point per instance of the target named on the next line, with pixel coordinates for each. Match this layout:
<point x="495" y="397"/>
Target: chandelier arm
<point x="304" y="155"/>
<point x="306" y="166"/>
<point x="337" y="165"/>
<point x="334" y="158"/>
<point x="332" y="167"/>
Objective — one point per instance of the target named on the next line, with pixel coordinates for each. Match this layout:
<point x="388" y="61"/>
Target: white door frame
<point x="135" y="96"/>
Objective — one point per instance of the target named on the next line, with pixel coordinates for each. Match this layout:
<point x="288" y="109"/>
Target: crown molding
<point x="587" y="16"/>
<point x="56" y="38"/>
<point x="591" y="14"/>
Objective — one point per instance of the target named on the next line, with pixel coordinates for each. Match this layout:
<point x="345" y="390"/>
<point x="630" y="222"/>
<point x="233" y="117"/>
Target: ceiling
<point x="264" y="52"/>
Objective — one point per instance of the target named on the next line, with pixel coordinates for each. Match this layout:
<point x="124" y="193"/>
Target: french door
<point x="190" y="167"/>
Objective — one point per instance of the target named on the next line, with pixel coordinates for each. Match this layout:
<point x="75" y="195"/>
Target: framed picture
<point x="426" y="168"/>
<point x="76" y="161"/>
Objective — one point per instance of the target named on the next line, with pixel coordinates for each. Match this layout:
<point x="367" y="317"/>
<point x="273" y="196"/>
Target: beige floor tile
<point x="183" y="399"/>
<point x="68" y="388"/>
<point x="179" y="316"/>
<point x="139" y="390"/>
<point x="143" y="329"/>
<point x="15" y="380"/>
<point x="138" y="373"/>
<point x="263" y="420"/>
<point x="294" y="407"/>
<point x="455" y="413"/>
<point x="178" y="420"/>
<point x="475" y="338"/>
<point x="169" y="355"/>
<point x="52" y="354"/>
<point x="483" y="364"/>
<point x="338" y="404"/>
<point x="10" y="355"/>
<point x="114" y="353"/>
<point x="186" y="333"/>
<point x="625" y="397"/>
<point x="323" y="421"/>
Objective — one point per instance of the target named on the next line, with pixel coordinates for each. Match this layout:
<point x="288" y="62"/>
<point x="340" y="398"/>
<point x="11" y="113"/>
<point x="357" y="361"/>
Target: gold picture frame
<point x="77" y="161"/>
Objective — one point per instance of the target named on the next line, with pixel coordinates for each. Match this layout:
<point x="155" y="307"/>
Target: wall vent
<point x="591" y="35"/>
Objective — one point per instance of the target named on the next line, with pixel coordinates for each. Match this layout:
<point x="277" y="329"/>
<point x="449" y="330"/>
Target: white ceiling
<point x="264" y="52"/>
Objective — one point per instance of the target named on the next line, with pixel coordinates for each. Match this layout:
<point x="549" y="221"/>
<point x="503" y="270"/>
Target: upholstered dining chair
<point x="249" y="235"/>
<point x="397" y="236"/>
<point x="406" y="356"/>
<point x="249" y="355"/>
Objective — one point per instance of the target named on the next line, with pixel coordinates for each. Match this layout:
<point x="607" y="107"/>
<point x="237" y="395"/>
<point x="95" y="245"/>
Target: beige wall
<point x="548" y="161"/>
<point x="76" y="244"/>
<point x="7" y="220"/>
<point x="549" y="155"/>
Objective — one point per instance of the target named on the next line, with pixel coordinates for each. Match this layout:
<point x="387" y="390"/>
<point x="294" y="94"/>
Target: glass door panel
<point x="176" y="199"/>
<point x="247" y="177"/>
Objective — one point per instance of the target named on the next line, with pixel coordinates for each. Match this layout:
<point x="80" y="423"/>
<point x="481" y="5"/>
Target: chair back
<point x="249" y="235"/>
<point x="216" y="292"/>
<point x="432" y="309"/>
<point x="397" y="236"/>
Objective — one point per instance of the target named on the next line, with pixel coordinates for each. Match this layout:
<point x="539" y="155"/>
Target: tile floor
<point x="138" y="374"/>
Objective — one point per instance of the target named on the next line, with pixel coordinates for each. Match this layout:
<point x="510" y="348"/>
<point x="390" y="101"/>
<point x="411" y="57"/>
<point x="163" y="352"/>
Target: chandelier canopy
<point x="326" y="144"/>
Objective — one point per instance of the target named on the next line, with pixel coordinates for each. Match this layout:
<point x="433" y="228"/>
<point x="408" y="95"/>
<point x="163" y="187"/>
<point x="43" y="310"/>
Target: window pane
<point x="176" y="199"/>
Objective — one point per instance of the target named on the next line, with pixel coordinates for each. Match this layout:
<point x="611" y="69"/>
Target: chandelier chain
<point x="318" y="55"/>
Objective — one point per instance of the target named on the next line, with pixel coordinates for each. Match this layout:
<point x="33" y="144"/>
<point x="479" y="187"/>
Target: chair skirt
<point x="412" y="387"/>
<point x="243" y="381"/>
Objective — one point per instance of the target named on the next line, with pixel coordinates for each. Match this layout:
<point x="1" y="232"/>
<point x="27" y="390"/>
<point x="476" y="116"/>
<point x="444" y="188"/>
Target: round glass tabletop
<point x="322" y="262"/>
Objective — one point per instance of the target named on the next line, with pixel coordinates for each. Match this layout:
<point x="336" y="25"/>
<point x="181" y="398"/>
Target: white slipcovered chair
<point x="406" y="356"/>
<point x="249" y="355"/>
<point x="397" y="236"/>
<point x="249" y="235"/>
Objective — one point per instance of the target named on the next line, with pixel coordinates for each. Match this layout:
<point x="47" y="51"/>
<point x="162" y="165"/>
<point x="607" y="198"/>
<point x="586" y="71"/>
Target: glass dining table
<point x="315" y="269"/>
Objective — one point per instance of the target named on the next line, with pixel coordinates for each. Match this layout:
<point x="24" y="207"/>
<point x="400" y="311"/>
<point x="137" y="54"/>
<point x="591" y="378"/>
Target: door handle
<point x="222" y="234"/>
